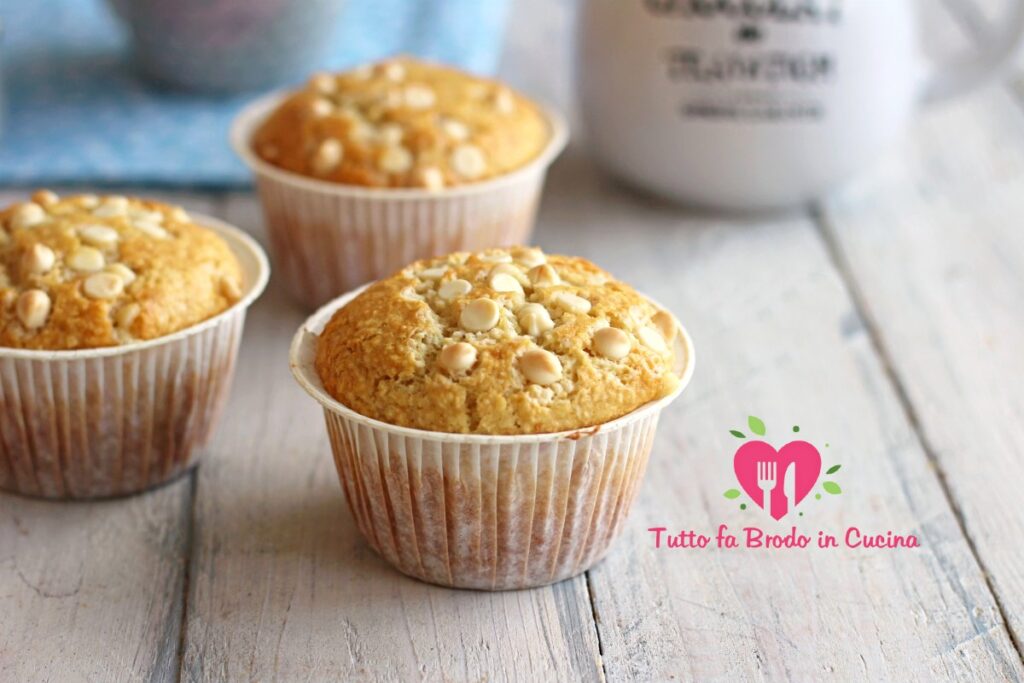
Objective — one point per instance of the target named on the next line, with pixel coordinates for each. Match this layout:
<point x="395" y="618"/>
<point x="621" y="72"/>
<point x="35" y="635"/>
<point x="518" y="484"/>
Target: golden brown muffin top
<point x="87" y="271"/>
<point x="498" y="342"/>
<point x="402" y="123"/>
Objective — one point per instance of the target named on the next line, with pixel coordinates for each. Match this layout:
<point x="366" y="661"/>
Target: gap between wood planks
<point x="835" y="252"/>
<point x="597" y="627"/>
<point x="974" y="19"/>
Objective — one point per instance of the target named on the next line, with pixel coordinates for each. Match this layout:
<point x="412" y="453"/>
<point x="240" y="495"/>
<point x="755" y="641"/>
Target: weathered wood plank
<point x="933" y="239"/>
<point x="283" y="586"/>
<point x="777" y="336"/>
<point x="94" y="591"/>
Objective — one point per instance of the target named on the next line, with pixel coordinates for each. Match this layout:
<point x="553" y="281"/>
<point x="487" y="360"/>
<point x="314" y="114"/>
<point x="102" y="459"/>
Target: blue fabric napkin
<point x="77" y="112"/>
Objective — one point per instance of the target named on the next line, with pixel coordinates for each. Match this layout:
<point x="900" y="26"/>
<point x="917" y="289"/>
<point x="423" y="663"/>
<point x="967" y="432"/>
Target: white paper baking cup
<point x="485" y="512"/>
<point x="118" y="420"/>
<point x="327" y="238"/>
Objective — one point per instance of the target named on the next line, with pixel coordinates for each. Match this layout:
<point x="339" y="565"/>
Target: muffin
<point x="86" y="272"/>
<point x="491" y="414"/>
<point x="119" y="326"/>
<point x="499" y="342"/>
<point x="363" y="171"/>
<point x="402" y="123"/>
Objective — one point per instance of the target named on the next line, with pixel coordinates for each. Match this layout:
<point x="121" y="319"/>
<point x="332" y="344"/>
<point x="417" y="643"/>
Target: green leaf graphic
<point x="732" y="493"/>
<point x="738" y="435"/>
<point x="831" y="487"/>
<point x="833" y="469"/>
<point x="756" y="425"/>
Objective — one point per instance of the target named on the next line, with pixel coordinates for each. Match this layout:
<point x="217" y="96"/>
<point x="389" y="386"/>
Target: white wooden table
<point x="887" y="321"/>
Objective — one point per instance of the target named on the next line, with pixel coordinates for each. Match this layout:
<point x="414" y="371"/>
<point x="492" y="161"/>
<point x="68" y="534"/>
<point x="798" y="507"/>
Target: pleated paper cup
<point x="118" y="420"/>
<point x="485" y="512"/>
<point x="327" y="238"/>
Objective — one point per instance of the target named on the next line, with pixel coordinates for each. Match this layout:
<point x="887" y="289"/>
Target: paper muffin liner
<point x="485" y="512"/>
<point x="118" y="420"/>
<point x="327" y="238"/>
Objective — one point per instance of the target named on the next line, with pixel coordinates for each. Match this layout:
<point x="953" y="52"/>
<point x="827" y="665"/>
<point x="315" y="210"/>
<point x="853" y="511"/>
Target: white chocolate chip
<point x="665" y="325"/>
<point x="540" y="367"/>
<point x="571" y="302"/>
<point x="33" y="308"/>
<point x="468" y="161"/>
<point x="432" y="178"/>
<point x="418" y="96"/>
<point x="454" y="289"/>
<point x="328" y="155"/>
<point x="612" y="343"/>
<point x="98" y="235"/>
<point x="45" y="197"/>
<point x="512" y="270"/>
<point x="457" y="357"/>
<point x="653" y="339"/>
<point x="323" y="83"/>
<point x="534" y="319"/>
<point x="390" y="133"/>
<point x="529" y="257"/>
<point x="126" y="315"/>
<point x="321" y="107"/>
<point x="180" y="215"/>
<point x="103" y="286"/>
<point x="122" y="271"/>
<point x="394" y="71"/>
<point x="504" y="102"/>
<point x="433" y="273"/>
<point x="395" y="159"/>
<point x="38" y="259"/>
<point x="494" y="256"/>
<point x="544" y="276"/>
<point x="151" y="229"/>
<point x="504" y="282"/>
<point x="27" y="215"/>
<point x="454" y="129"/>
<point x="479" y="315"/>
<point x="87" y="201"/>
<point x="140" y="213"/>
<point x="86" y="260"/>
<point x="361" y="132"/>
<point x="114" y="205"/>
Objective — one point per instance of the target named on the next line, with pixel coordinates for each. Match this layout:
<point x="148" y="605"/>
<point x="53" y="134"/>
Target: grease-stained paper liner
<point x="327" y="238"/>
<point x="485" y="512"/>
<point x="119" y="420"/>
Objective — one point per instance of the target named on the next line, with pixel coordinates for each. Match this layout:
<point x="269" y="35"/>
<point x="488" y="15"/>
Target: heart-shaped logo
<point x="760" y="468"/>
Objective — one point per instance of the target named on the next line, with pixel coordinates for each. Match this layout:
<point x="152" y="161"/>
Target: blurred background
<point x="142" y="91"/>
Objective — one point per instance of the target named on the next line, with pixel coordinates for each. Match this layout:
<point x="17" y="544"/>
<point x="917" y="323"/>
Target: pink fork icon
<point x="766" y="482"/>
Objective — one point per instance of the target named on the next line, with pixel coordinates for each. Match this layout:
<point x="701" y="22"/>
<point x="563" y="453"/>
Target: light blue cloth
<point x="76" y="112"/>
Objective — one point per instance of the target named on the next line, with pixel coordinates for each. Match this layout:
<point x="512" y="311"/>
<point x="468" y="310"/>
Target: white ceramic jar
<point x="757" y="104"/>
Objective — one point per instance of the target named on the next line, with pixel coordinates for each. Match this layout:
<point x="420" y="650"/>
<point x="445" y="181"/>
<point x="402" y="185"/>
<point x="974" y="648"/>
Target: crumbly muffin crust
<point x="498" y="342"/>
<point x="87" y="272"/>
<point x="402" y="123"/>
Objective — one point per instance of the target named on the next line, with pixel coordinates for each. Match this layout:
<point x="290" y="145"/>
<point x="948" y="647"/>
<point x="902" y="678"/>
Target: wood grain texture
<point x="93" y="591"/>
<point x="776" y="336"/>
<point x="283" y="586"/>
<point x="933" y="239"/>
